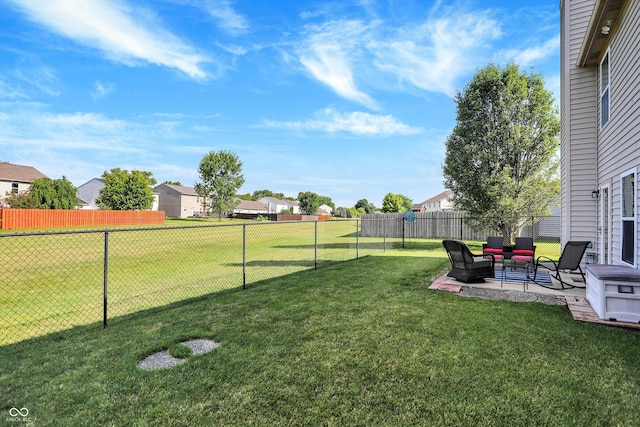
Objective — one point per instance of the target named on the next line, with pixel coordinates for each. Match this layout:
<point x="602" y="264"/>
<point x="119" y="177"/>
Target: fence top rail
<point x="170" y="227"/>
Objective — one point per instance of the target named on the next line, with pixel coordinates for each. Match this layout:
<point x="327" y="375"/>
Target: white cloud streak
<point x="329" y="54"/>
<point x="431" y="55"/>
<point x="124" y="35"/>
<point x="358" y="123"/>
<point x="226" y="17"/>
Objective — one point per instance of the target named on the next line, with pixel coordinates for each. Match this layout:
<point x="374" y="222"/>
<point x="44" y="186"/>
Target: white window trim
<point x="633" y="218"/>
<point x="605" y="224"/>
<point x="605" y="89"/>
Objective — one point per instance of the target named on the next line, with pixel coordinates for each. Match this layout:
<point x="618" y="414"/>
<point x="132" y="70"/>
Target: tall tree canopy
<point x="500" y="158"/>
<point x="259" y="194"/>
<point x="369" y="208"/>
<point x="393" y="203"/>
<point x="221" y="175"/>
<point x="309" y="202"/>
<point x="126" y="191"/>
<point x="53" y="193"/>
<point x="46" y="193"/>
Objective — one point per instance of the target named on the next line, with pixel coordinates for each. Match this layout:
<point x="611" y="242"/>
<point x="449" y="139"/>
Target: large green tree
<point x="221" y="175"/>
<point x="309" y="202"/>
<point x="500" y="158"/>
<point x="46" y="193"/>
<point x="126" y="191"/>
<point x="393" y="203"/>
<point x="369" y="208"/>
<point x="53" y="193"/>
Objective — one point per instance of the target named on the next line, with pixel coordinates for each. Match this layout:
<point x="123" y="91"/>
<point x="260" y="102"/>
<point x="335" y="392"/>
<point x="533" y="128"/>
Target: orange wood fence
<point x="18" y="219"/>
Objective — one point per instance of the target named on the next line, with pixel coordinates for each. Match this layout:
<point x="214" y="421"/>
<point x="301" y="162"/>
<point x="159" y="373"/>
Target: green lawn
<point x="362" y="342"/>
<point x="55" y="281"/>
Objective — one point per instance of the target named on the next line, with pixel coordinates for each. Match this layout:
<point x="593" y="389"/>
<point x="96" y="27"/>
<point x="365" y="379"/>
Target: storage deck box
<point x="614" y="292"/>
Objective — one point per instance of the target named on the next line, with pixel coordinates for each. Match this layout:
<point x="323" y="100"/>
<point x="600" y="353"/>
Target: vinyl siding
<point x="618" y="141"/>
<point x="578" y="146"/>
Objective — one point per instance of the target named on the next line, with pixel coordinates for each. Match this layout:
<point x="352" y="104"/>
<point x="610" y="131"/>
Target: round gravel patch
<point x="162" y="359"/>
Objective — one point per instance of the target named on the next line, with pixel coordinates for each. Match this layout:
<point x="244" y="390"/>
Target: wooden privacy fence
<point x="19" y="219"/>
<point x="445" y="225"/>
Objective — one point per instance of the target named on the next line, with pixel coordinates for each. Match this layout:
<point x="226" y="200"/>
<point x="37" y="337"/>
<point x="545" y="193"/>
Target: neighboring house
<point x="276" y="206"/>
<point x="419" y="207"/>
<point x="17" y="178"/>
<point x="178" y="201"/>
<point x="600" y="134"/>
<point x="89" y="192"/>
<point x="440" y="202"/>
<point x="325" y="210"/>
<point x="250" y="207"/>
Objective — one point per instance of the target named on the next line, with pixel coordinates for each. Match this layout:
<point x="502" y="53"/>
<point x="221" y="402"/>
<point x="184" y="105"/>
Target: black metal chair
<point x="570" y="260"/>
<point x="466" y="266"/>
<point x="493" y="246"/>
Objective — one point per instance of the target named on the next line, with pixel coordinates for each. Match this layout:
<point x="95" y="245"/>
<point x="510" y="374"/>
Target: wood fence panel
<point x="20" y="219"/>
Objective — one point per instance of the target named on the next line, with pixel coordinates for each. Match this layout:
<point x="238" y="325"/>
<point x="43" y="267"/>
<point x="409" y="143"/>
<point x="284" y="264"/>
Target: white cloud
<point x="532" y="55"/>
<point x="329" y="54"/>
<point x="101" y="90"/>
<point x="435" y="54"/>
<point x="227" y="18"/>
<point x="123" y="34"/>
<point x="358" y="123"/>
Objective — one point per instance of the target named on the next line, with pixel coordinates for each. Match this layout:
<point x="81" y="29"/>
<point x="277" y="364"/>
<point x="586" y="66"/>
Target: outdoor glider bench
<point x="467" y="266"/>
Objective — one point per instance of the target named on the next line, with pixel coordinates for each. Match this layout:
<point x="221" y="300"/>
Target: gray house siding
<point x="618" y="141"/>
<point x="578" y="131"/>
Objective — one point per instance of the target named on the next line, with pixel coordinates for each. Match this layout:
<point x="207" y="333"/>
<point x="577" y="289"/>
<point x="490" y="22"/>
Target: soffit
<point x="594" y="41"/>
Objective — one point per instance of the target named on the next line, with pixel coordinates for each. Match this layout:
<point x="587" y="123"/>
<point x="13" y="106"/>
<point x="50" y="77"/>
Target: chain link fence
<point x="56" y="280"/>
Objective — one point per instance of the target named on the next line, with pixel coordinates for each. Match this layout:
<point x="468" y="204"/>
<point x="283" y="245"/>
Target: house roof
<point x="19" y="173"/>
<point x="251" y="205"/>
<point x="186" y="191"/>
<point x="439" y="197"/>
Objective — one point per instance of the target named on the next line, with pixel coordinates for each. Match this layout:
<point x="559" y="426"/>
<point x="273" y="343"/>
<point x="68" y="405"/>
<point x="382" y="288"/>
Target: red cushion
<point x="492" y="251"/>
<point x="521" y="258"/>
<point x="523" y="252"/>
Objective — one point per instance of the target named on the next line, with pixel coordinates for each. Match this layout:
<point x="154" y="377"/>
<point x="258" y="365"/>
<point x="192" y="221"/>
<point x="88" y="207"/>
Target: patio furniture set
<point x="469" y="267"/>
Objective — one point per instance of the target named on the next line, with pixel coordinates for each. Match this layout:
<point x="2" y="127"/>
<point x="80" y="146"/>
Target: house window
<point x="604" y="90"/>
<point x="14" y="187"/>
<point x="628" y="214"/>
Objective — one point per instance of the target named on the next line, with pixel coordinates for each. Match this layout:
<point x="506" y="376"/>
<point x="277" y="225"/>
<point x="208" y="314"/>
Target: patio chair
<point x="493" y="246"/>
<point x="466" y="266"/>
<point x="570" y="260"/>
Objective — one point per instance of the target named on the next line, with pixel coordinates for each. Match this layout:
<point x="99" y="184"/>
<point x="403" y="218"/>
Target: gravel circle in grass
<point x="162" y="359"/>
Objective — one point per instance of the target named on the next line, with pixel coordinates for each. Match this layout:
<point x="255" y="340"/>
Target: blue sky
<point x="348" y="99"/>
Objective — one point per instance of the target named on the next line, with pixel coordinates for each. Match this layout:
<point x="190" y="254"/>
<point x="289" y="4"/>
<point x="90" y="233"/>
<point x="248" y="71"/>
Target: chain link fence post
<point x="357" y="239"/>
<point x="105" y="279"/>
<point x="244" y="256"/>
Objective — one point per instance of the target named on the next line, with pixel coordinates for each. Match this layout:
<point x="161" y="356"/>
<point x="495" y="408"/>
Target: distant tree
<point x="173" y="183"/>
<point x="126" y="191"/>
<point x="396" y="203"/>
<point x="20" y="200"/>
<point x="45" y="193"/>
<point x="259" y="194"/>
<point x="407" y="203"/>
<point x="54" y="194"/>
<point x="500" y="158"/>
<point x="221" y="175"/>
<point x="245" y="196"/>
<point x="309" y="202"/>
<point x="364" y="204"/>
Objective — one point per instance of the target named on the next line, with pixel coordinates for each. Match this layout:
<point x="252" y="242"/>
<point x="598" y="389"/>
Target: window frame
<point x="627" y="220"/>
<point x="605" y="90"/>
